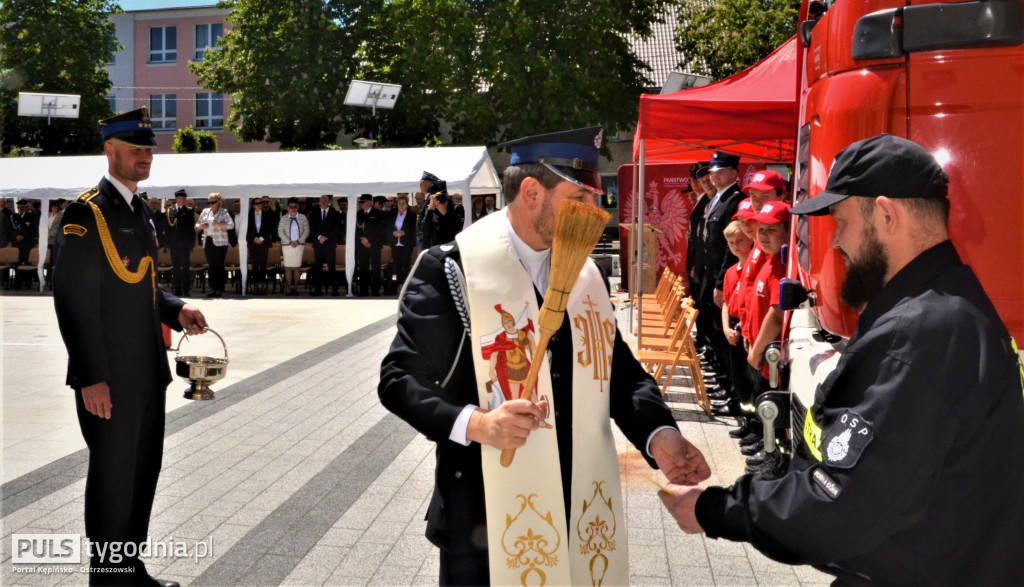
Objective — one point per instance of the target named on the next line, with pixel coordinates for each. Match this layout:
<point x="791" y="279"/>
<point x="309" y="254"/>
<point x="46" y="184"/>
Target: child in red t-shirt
<point x="739" y="245"/>
<point x="764" y="315"/>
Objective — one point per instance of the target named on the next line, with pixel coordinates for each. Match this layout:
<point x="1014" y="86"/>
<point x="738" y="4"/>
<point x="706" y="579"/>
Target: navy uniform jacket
<point x="922" y="462"/>
<point x="717" y="257"/>
<point x="695" y="244"/>
<point x="413" y="385"/>
<point x="183" y="232"/>
<point x="110" y="327"/>
<point x="370" y="224"/>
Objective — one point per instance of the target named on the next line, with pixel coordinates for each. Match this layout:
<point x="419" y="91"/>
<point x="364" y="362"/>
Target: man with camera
<point x="442" y="219"/>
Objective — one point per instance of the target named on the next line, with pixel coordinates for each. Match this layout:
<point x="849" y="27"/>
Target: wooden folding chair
<point x="680" y="352"/>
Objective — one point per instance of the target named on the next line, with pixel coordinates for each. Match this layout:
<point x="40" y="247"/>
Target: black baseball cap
<point x="882" y="165"/>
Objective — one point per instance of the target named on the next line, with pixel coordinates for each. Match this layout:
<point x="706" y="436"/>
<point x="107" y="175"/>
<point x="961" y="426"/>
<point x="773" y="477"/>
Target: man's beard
<point x="544" y="223"/>
<point x="865" y="277"/>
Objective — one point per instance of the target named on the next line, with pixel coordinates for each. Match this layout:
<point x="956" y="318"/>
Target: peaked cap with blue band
<point x="572" y="154"/>
<point x="132" y="127"/>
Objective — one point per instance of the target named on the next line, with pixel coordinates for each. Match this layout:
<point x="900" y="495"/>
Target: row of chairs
<point x="198" y="265"/>
<point x="14" y="271"/>
<point x="665" y="340"/>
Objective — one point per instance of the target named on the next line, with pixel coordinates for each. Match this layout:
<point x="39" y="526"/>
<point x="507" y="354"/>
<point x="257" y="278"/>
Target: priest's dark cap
<point x="574" y="155"/>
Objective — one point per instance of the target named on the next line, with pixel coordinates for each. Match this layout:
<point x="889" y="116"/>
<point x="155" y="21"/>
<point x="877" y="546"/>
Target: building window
<point x="113" y="103"/>
<point x="207" y="35"/>
<point x="163" y="44"/>
<point x="163" y="111"/>
<point x="209" y="110"/>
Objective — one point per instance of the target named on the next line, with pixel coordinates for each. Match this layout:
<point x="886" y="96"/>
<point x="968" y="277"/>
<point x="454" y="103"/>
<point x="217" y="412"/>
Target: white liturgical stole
<point x="529" y="542"/>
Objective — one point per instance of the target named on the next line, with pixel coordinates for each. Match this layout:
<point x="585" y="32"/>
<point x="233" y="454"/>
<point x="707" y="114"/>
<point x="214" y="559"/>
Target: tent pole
<point x="639" y="235"/>
<point x="43" y="241"/>
<point x="243" y="232"/>
<point x="350" y="242"/>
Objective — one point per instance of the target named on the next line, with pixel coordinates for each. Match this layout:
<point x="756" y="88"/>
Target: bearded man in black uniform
<point x="911" y="469"/>
<point x="109" y="309"/>
<point x="181" y="231"/>
<point x="431" y="375"/>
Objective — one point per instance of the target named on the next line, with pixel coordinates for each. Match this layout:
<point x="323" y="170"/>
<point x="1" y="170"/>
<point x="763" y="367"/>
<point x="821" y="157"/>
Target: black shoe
<point x="163" y="583"/>
<point x="212" y="294"/>
<point x="758" y="458"/>
<point x="729" y="409"/>
<point x="742" y="431"/>
<point x="719" y="394"/>
<point x="752" y="449"/>
<point x="752" y="436"/>
<point x="773" y="467"/>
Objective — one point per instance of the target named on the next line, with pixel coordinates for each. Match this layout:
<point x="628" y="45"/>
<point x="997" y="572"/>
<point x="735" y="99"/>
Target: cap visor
<point x="818" y="205"/>
<point x="590" y="180"/>
<point x="136" y="139"/>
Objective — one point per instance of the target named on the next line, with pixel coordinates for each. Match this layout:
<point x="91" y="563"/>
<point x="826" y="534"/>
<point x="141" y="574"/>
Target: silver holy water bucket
<point x="200" y="371"/>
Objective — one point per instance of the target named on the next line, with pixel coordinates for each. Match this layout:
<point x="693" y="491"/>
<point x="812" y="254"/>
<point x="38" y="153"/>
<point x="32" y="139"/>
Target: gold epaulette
<point x="88" y="195"/>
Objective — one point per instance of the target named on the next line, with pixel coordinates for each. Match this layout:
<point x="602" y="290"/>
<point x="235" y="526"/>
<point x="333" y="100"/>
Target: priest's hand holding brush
<point x="577" y="229"/>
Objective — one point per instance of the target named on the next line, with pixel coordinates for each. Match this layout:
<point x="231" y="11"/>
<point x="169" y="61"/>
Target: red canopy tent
<point x="752" y="114"/>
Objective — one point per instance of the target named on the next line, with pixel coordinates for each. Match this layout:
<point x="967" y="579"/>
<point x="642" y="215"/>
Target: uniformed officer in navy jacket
<point x="109" y="309"/>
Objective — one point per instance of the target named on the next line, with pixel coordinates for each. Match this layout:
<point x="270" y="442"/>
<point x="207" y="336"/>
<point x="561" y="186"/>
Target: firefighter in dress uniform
<point x="109" y="309"/>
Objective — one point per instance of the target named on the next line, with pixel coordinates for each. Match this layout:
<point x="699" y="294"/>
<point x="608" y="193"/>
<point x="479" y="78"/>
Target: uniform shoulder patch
<point x="74" y="230"/>
<point x="88" y="194"/>
<point x="846" y="440"/>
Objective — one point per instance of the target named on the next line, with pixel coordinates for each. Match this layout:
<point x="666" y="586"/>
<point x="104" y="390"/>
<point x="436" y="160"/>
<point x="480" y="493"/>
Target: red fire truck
<point x="947" y="75"/>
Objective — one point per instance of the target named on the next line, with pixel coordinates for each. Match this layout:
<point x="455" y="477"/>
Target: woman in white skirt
<point x="293" y="230"/>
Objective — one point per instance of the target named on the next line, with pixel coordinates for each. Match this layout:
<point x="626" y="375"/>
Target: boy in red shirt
<point x="765" y="317"/>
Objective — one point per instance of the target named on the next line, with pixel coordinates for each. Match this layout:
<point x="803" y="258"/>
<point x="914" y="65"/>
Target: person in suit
<point x="723" y="171"/>
<point x="109" y="310"/>
<point x="369" y="240"/>
<point x="430" y="381"/>
<point x="402" y="237"/>
<point x="324" y="231"/>
<point x="181" y="237"/>
<point x="259" y="235"/>
<point x="159" y="220"/>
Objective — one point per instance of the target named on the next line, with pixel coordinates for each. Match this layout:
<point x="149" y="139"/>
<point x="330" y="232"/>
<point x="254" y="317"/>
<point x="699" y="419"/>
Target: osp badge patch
<point x="846" y="440"/>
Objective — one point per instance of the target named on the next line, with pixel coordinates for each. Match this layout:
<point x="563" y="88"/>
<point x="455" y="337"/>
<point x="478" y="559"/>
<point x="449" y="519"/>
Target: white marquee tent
<point x="467" y="170"/>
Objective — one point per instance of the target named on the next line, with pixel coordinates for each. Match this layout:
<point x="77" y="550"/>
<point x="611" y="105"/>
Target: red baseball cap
<point x="773" y="213"/>
<point x="745" y="211"/>
<point x="767" y="179"/>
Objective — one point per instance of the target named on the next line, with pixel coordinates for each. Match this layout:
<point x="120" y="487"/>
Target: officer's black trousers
<point x="125" y="455"/>
<point x="179" y="269"/>
<point x="367" y="270"/>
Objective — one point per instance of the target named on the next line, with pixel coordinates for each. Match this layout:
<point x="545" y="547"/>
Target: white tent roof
<point x="468" y="170"/>
<point x="244" y="175"/>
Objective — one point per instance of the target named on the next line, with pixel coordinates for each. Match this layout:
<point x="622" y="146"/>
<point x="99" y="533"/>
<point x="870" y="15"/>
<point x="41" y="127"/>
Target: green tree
<point x="45" y="48"/>
<point x="724" y="38"/>
<point x="286" y="64"/>
<point x="502" y="69"/>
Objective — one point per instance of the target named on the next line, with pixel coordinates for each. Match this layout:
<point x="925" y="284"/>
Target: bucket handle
<point x="177" y="350"/>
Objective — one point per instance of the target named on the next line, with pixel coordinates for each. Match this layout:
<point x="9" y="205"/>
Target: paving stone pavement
<point x="296" y="475"/>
